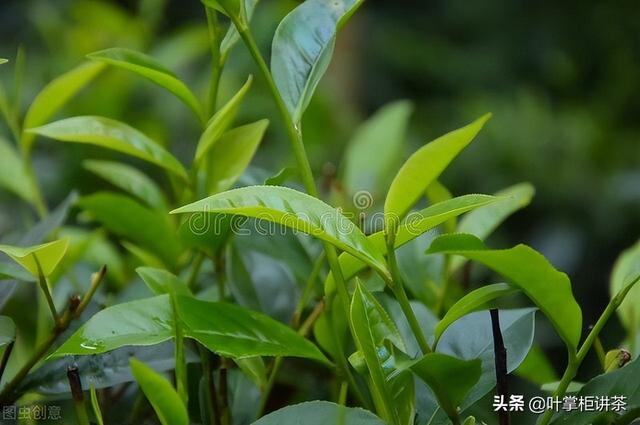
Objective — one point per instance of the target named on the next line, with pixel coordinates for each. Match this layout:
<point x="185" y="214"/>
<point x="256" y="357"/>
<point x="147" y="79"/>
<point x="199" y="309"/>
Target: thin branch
<point x="500" y="357"/>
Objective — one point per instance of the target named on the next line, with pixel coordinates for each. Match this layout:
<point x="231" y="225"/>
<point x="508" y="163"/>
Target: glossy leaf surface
<point x="111" y="134"/>
<point x="296" y="210"/>
<point x="425" y="166"/>
<point x="527" y="269"/>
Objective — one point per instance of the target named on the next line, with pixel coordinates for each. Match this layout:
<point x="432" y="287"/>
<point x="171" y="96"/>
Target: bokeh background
<point x="561" y="78"/>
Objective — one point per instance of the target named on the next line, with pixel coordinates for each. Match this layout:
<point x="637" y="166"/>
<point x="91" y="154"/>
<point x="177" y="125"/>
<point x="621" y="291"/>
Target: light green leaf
<point x="123" y="216"/>
<point x="319" y="413"/>
<point x="537" y="367"/>
<point x="302" y="48"/>
<point x="152" y="70"/>
<point x="627" y="267"/>
<point x="416" y="224"/>
<point x="296" y="210"/>
<point x="163" y="397"/>
<point x="13" y="176"/>
<point x="162" y="282"/>
<point x="233" y="331"/>
<point x="483" y="221"/>
<point x="144" y="256"/>
<point x="383" y="134"/>
<point x="128" y="179"/>
<point x="228" y="7"/>
<point x="471" y="302"/>
<point x="7" y="331"/>
<point x="55" y="95"/>
<point x="255" y="369"/>
<point x="142" y="322"/>
<point x="551" y="387"/>
<point x="111" y="134"/>
<point x="367" y="329"/>
<point x="48" y="256"/>
<point x="231" y="155"/>
<point x="220" y="122"/>
<point x="95" y="404"/>
<point x="3" y="61"/>
<point x="448" y="377"/>
<point x="547" y="287"/>
<point x="425" y="166"/>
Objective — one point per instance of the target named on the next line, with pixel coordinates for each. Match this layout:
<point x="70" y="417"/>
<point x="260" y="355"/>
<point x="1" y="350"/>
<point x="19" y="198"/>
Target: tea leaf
<point x="483" y="221"/>
<point x="617" y="383"/>
<point x="233" y="331"/>
<point x="162" y="282"/>
<point x="416" y="224"/>
<point x="7" y="331"/>
<point x="55" y="95"/>
<point x="163" y="397"/>
<point x="128" y="179"/>
<point x="152" y="70"/>
<point x="384" y="134"/>
<point x="302" y="49"/>
<point x="424" y="167"/>
<point x="3" y="61"/>
<point x="13" y="175"/>
<point x="122" y="216"/>
<point x="547" y="287"/>
<point x="48" y="255"/>
<point x="448" y="377"/>
<point x="471" y="302"/>
<point x="319" y="413"/>
<point x="220" y="122"/>
<point x="471" y="338"/>
<point x="627" y="267"/>
<point x="10" y="270"/>
<point x="369" y="330"/>
<point x="228" y="7"/>
<point x="296" y="210"/>
<point x="111" y="134"/>
<point x="142" y="322"/>
<point x="231" y="155"/>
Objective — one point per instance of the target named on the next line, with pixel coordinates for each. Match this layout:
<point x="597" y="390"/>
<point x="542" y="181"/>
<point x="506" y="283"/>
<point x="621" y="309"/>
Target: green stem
<point x="195" y="271"/>
<point x="308" y="290"/>
<point x="216" y="60"/>
<point x="211" y="394"/>
<point x="42" y="280"/>
<point x="181" y="364"/>
<point x="397" y="286"/>
<point x="576" y="360"/>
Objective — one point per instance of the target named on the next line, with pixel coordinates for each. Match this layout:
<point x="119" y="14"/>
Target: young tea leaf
<point x="152" y="70"/>
<point x="163" y="397"/>
<point x="424" y="167"/>
<point x="220" y="122"/>
<point x="55" y="95"/>
<point x="547" y="287"/>
<point x="627" y="267"/>
<point x="302" y="49"/>
<point x="111" y="134"/>
<point x="47" y="255"/>
<point x="231" y="155"/>
<point x="290" y="208"/>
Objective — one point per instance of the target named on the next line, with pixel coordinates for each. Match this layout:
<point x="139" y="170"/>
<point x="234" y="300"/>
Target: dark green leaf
<point x="111" y="134"/>
<point x="449" y="378"/>
<point x="162" y="282"/>
<point x="152" y="70"/>
<point x="425" y="166"/>
<point x="7" y="331"/>
<point x="302" y="49"/>
<point x="163" y="397"/>
<point x="123" y="215"/>
<point x="319" y="413"/>
<point x="547" y="287"/>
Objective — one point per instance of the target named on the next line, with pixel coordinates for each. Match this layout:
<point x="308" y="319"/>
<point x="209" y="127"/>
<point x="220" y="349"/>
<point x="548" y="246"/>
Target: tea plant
<point x="375" y="302"/>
